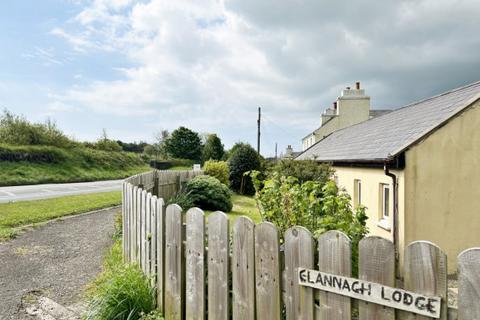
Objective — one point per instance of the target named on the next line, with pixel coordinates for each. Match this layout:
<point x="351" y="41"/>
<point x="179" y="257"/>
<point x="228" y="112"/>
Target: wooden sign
<point x="371" y="292"/>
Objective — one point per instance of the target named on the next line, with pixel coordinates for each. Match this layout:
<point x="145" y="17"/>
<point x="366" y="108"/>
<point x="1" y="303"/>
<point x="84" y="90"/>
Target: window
<point x="357" y="193"/>
<point x="384" y="206"/>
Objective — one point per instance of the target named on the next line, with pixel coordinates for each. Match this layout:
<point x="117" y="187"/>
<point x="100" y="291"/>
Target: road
<point x="44" y="191"/>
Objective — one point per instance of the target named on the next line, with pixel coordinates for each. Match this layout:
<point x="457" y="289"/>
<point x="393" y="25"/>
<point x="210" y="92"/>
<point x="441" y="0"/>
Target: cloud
<point x="209" y="64"/>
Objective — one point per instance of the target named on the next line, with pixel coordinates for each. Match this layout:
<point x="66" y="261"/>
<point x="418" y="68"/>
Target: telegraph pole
<point x="276" y="145"/>
<point x="258" y="129"/>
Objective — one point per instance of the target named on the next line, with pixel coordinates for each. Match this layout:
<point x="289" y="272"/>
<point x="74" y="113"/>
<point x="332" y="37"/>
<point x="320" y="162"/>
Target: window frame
<point x="385" y="192"/>
<point x="357" y="193"/>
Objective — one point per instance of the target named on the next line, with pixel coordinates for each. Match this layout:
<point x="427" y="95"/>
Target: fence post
<point x="334" y="256"/>
<point x="195" y="265"/>
<point x="376" y="264"/>
<point x="160" y="256"/>
<point x="267" y="271"/>
<point x="243" y="269"/>
<point x="299" y="249"/>
<point x="469" y="284"/>
<point x="425" y="270"/>
<point x="218" y="261"/>
<point x="173" y="263"/>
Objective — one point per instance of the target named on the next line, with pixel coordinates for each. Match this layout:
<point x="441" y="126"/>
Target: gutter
<point x="386" y="169"/>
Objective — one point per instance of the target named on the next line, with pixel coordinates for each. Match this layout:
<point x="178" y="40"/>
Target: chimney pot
<point x="357" y="84"/>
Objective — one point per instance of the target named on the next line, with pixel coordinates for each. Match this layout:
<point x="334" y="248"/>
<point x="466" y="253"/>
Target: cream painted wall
<point x="442" y="188"/>
<point x="371" y="179"/>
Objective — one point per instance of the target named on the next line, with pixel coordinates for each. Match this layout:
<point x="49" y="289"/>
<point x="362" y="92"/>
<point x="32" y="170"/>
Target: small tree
<point x="184" y="144"/>
<point x="213" y="149"/>
<point x="105" y="144"/>
<point x="161" y="138"/>
<point x="243" y="159"/>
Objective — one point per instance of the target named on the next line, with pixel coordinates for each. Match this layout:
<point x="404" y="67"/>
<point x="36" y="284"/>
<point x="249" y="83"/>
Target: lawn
<point x="14" y="216"/>
<point x="243" y="206"/>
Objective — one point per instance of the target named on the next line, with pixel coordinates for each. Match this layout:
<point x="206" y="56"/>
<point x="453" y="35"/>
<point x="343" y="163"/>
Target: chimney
<point x="335" y="105"/>
<point x="357" y="85"/>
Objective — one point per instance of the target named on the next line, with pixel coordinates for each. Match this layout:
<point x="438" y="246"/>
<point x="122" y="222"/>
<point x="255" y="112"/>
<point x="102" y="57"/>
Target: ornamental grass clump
<point x="122" y="292"/>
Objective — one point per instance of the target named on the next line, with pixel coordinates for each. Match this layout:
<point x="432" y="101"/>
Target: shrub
<point x="183" y="199"/>
<point x="45" y="154"/>
<point x="17" y="130"/>
<point x="243" y="159"/>
<point x="154" y="315"/>
<point x="121" y="291"/>
<point x="217" y="169"/>
<point x="286" y="202"/>
<point x="303" y="170"/>
<point x="209" y="193"/>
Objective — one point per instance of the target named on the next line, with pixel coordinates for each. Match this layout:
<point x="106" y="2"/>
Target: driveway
<point x="56" y="260"/>
<point x="43" y="191"/>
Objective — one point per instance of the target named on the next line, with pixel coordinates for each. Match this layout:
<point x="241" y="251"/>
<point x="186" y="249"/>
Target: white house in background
<point x="352" y="107"/>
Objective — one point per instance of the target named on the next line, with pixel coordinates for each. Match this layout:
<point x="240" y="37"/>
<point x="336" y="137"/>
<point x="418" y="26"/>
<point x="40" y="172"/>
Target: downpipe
<point x="395" y="217"/>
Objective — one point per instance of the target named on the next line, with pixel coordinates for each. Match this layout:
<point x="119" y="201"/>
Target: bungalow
<point x="416" y="170"/>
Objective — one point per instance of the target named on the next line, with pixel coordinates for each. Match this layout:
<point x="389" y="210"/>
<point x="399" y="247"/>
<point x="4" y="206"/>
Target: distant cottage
<point x="416" y="169"/>
<point x="352" y="107"/>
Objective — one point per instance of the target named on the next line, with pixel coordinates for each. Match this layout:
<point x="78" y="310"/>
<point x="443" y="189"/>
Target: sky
<point x="135" y="68"/>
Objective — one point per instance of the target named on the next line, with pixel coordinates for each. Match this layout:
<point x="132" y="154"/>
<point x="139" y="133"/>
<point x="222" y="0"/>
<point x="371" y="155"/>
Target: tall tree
<point x="213" y="149"/>
<point x="184" y="144"/>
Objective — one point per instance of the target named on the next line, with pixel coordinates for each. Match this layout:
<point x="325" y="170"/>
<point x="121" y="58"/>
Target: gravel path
<point x="55" y="260"/>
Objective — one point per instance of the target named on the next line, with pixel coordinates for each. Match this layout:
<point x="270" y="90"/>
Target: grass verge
<point x="15" y="215"/>
<point x="243" y="206"/>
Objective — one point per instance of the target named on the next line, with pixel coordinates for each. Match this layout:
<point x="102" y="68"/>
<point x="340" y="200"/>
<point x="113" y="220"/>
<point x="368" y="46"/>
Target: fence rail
<point x="201" y="269"/>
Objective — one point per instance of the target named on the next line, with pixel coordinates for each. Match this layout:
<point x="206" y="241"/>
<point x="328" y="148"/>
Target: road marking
<point x="8" y="193"/>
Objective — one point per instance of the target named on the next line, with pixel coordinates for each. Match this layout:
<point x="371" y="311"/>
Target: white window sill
<point x="384" y="224"/>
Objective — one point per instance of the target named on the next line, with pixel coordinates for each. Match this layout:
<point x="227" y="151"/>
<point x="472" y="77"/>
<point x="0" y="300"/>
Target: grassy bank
<point x="21" y="165"/>
<point x="14" y="216"/>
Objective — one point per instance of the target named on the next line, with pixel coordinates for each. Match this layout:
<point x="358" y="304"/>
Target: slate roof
<point x="384" y="137"/>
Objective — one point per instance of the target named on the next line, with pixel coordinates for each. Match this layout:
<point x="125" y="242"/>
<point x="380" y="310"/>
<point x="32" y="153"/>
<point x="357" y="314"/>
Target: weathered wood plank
<point x="218" y="258"/>
<point x="376" y="264"/>
<point x="425" y="270"/>
<point x="195" y="265"/>
<point x="173" y="263"/>
<point x="267" y="271"/>
<point x="160" y="257"/>
<point x="143" y="231"/>
<point x="243" y="269"/>
<point x="469" y="284"/>
<point x="148" y="215"/>
<point x="153" y="241"/>
<point x="136" y="220"/>
<point x="299" y="253"/>
<point x="334" y="256"/>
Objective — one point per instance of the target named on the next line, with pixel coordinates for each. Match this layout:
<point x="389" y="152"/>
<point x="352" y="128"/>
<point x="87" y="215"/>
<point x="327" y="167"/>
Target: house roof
<point x="383" y="138"/>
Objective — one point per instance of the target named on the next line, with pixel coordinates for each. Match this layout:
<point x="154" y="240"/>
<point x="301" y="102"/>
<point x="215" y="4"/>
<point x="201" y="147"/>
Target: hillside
<point x="20" y="165"/>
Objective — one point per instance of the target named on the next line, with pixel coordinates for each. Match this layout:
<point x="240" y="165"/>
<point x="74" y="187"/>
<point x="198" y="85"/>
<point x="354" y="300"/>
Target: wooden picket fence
<point x="201" y="269"/>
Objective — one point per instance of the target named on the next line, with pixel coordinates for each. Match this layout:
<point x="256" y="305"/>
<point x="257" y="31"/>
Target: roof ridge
<point x="437" y="96"/>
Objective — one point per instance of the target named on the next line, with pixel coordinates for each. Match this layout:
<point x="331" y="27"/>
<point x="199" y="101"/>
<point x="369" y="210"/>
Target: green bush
<point x="209" y="193"/>
<point x="42" y="154"/>
<point x="286" y="202"/>
<point x="184" y="143"/>
<point x="17" y="130"/>
<point x="123" y="293"/>
<point x="303" y="170"/>
<point x="154" y="315"/>
<point x="243" y="159"/>
<point x="217" y="169"/>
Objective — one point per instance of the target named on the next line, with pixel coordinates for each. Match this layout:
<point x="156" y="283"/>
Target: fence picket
<point x="299" y="253"/>
<point x="148" y="216"/>
<point x="469" y="284"/>
<point x="173" y="263"/>
<point x="160" y="261"/>
<point x="218" y="260"/>
<point x="195" y="265"/>
<point x="425" y="270"/>
<point x="136" y="209"/>
<point x="243" y="269"/>
<point x="267" y="271"/>
<point x="153" y="241"/>
<point x="143" y="226"/>
<point x="376" y="264"/>
<point x="334" y="256"/>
